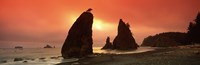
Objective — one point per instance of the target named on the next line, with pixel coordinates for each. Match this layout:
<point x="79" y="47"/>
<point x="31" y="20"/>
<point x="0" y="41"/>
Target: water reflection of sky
<point x="139" y="50"/>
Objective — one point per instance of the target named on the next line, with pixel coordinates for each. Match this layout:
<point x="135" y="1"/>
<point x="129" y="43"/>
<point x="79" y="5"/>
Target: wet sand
<point x="182" y="55"/>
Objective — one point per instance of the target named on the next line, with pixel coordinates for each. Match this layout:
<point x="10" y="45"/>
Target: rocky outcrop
<point x="124" y="39"/>
<point x="48" y="46"/>
<point x="79" y="40"/>
<point x="18" y="59"/>
<point x="108" y="44"/>
<point x="18" y="47"/>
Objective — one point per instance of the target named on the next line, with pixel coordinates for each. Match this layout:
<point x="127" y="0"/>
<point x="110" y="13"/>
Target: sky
<point x="35" y="23"/>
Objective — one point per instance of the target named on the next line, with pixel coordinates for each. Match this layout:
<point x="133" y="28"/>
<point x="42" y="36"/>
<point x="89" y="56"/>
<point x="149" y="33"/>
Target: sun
<point x="97" y="24"/>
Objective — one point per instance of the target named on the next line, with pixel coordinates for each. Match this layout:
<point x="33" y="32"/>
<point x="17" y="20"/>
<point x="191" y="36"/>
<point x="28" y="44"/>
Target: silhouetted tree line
<point x="176" y="38"/>
<point x="165" y="39"/>
<point x="193" y="34"/>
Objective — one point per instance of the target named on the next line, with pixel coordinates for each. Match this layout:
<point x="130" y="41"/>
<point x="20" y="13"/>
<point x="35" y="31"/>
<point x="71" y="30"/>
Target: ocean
<point x="49" y="56"/>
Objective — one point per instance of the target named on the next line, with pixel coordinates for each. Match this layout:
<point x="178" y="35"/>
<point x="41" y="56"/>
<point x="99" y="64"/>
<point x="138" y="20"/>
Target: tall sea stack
<point x="124" y="39"/>
<point x="79" y="40"/>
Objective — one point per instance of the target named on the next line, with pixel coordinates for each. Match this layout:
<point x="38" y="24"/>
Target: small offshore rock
<point x="54" y="57"/>
<point x="18" y="59"/>
<point x="25" y="62"/>
<point x="41" y="58"/>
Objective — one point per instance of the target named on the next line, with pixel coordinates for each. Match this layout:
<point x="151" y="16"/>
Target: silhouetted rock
<point x="167" y="39"/>
<point x="25" y="61"/>
<point x="19" y="47"/>
<point x="48" y="46"/>
<point x="18" y="59"/>
<point x="42" y="58"/>
<point x="54" y="57"/>
<point x="108" y="44"/>
<point x="79" y="40"/>
<point x="124" y="39"/>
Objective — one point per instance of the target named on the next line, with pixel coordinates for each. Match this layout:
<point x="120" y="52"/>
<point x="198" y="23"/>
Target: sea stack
<point x="124" y="39"/>
<point x="79" y="40"/>
<point x="48" y="46"/>
<point x="108" y="44"/>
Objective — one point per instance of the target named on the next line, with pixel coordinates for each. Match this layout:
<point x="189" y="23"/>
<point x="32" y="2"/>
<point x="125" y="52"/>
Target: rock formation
<point x="18" y="47"/>
<point x="48" y="46"/>
<point x="108" y="44"/>
<point x="124" y="39"/>
<point x="79" y="40"/>
<point x="18" y="59"/>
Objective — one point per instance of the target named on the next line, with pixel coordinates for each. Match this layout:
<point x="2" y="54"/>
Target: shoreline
<point x="106" y="59"/>
<point x="180" y="55"/>
<point x="160" y="56"/>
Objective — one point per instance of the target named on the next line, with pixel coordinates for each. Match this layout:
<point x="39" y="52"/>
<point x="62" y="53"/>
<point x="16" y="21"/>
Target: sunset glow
<point x="99" y="32"/>
<point x="98" y="24"/>
<point x="42" y="21"/>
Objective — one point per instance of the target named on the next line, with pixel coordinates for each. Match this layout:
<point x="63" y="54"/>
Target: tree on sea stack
<point x="193" y="34"/>
<point x="79" y="40"/>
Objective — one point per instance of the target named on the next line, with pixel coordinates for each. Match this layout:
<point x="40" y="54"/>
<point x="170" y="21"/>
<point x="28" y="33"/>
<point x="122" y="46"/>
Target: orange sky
<point x="34" y="23"/>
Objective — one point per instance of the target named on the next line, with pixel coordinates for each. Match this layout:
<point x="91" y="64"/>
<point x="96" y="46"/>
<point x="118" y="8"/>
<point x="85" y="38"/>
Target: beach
<point x="181" y="55"/>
